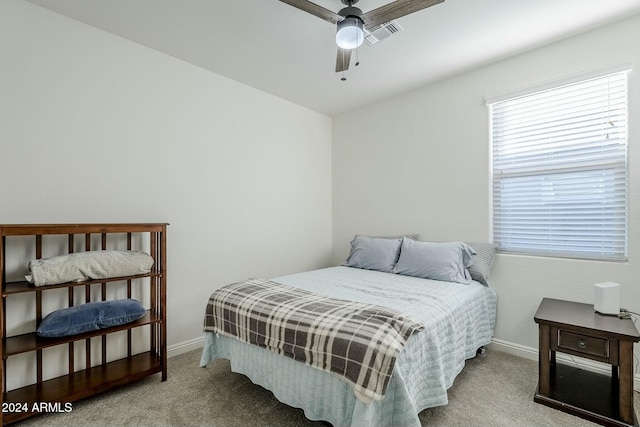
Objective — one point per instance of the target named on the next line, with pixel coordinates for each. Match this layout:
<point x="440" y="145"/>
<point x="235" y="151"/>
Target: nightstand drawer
<point x="583" y="344"/>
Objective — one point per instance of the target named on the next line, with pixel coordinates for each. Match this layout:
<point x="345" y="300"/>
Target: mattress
<point x="458" y="319"/>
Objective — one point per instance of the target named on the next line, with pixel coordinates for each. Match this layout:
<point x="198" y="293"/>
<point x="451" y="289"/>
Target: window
<point x="560" y="169"/>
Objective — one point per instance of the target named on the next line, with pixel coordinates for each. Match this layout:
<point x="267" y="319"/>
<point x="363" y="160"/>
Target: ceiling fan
<point x="350" y="21"/>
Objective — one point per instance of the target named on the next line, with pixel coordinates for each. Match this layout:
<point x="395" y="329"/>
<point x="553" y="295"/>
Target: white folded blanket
<point x="81" y="266"/>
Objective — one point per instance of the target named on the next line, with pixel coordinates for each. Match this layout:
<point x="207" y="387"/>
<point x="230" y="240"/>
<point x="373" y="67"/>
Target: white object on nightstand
<point x="607" y="298"/>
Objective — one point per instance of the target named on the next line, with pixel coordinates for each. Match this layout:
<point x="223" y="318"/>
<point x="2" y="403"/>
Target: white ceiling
<point x="281" y="50"/>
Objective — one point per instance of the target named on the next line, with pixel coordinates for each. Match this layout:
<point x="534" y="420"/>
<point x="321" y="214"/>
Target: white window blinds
<point x="560" y="170"/>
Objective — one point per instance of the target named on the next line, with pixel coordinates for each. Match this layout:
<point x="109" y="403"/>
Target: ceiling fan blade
<point x="314" y="9"/>
<point x="395" y="10"/>
<point x="342" y="60"/>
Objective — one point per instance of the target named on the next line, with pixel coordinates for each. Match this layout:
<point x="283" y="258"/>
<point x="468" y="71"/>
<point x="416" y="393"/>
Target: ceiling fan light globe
<point x="350" y="33"/>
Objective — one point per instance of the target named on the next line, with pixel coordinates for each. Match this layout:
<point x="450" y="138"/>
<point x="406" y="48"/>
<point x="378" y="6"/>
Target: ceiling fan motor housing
<point x="350" y="31"/>
<point x="350" y="11"/>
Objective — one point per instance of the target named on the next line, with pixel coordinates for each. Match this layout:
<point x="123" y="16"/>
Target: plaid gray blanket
<point x="359" y="342"/>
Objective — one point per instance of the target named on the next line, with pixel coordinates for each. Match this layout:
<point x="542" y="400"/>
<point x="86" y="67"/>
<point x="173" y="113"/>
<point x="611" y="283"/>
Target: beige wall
<point x="420" y="163"/>
<point x="94" y="128"/>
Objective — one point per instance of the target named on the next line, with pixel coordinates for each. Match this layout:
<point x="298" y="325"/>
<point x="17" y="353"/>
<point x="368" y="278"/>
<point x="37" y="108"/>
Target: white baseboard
<point x="185" y="346"/>
<point x="515" y="349"/>
<point x="532" y="354"/>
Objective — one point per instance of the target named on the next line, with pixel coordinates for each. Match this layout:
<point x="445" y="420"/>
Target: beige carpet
<point x="494" y="390"/>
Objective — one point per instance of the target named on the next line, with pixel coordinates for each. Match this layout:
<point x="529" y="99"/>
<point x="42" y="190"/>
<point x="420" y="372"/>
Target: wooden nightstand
<point x="576" y="329"/>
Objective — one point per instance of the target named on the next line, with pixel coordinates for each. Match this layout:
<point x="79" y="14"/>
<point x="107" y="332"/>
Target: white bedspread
<point x="458" y="320"/>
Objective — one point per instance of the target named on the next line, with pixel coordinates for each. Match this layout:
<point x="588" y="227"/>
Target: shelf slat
<point x="83" y="383"/>
<point x="24" y="286"/>
<point x="29" y="342"/>
<point x="44" y="229"/>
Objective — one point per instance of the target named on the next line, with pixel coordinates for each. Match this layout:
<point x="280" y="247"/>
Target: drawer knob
<point x="582" y="344"/>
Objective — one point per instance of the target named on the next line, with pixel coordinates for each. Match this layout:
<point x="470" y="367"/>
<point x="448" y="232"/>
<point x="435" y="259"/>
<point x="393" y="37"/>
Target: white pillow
<point x="446" y="261"/>
<point x="486" y="255"/>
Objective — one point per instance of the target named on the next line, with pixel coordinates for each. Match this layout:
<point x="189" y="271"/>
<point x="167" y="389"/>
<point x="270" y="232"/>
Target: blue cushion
<point x="90" y="317"/>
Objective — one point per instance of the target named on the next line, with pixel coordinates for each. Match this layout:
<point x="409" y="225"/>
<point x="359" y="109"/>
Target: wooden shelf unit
<point x="95" y="378"/>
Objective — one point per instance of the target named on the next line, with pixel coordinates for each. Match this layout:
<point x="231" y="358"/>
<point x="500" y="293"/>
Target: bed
<point x="458" y="319"/>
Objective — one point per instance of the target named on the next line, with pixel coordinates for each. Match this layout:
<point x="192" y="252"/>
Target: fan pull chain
<point x="343" y="76"/>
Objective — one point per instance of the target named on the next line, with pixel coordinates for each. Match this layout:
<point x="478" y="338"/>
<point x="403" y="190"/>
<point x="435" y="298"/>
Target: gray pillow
<point x="399" y="236"/>
<point x="446" y="261"/>
<point x="374" y="253"/>
<point x="486" y="255"/>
